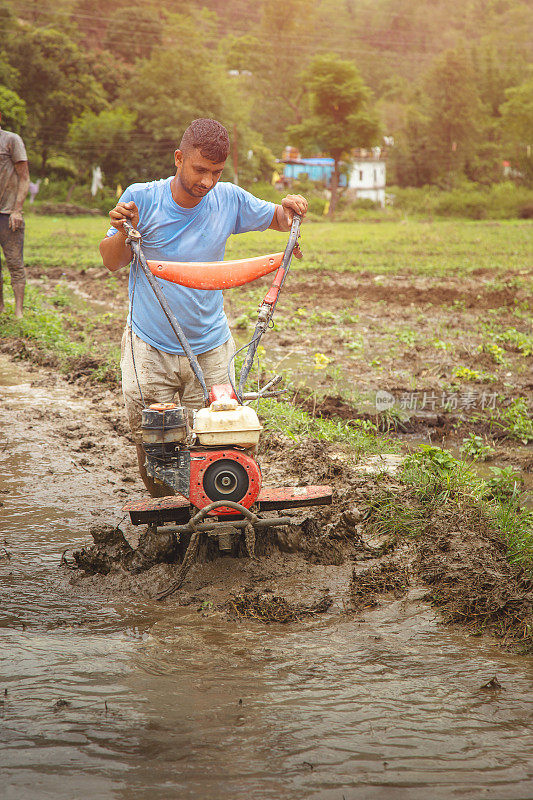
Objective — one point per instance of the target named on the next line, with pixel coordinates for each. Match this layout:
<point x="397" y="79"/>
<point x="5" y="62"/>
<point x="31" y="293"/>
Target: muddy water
<point x="121" y="698"/>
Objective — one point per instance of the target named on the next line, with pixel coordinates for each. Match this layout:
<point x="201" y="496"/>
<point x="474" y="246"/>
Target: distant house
<point x="366" y="178"/>
<point x="316" y="169"/>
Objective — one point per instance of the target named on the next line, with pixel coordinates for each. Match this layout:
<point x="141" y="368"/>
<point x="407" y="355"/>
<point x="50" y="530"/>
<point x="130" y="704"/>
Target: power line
<point x="377" y="13"/>
<point x="299" y="37"/>
<point x="358" y="51"/>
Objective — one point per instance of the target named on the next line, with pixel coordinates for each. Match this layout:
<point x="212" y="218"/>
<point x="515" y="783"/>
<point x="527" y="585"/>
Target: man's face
<point x="196" y="174"/>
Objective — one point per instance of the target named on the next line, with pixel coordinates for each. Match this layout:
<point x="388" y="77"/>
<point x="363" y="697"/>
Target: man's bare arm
<point x="113" y="249"/>
<point x="15" y="218"/>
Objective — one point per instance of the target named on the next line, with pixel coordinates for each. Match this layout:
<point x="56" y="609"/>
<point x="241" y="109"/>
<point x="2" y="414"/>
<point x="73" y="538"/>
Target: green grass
<point x="297" y="424"/>
<point x="442" y="247"/>
<point x="63" y="241"/>
<point x="59" y="333"/>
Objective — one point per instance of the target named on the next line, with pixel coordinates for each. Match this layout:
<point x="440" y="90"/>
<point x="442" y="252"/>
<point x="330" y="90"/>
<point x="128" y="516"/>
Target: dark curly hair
<point x="209" y="137"/>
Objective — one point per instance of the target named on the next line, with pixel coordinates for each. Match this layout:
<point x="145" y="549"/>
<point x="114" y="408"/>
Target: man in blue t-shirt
<point x="187" y="217"/>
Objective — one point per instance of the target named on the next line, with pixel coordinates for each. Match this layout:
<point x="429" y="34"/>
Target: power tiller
<point x="211" y="467"/>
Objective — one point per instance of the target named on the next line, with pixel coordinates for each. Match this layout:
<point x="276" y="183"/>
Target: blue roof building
<point x="316" y="169"/>
<point x="366" y="173"/>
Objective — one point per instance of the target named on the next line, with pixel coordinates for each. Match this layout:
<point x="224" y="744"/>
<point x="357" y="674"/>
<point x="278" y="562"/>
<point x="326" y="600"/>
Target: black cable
<point x="135" y="241"/>
<point x="229" y="366"/>
<point x="265" y="315"/>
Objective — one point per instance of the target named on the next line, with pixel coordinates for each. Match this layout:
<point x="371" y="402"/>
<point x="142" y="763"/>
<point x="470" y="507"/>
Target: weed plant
<point x="474" y="447"/>
<point x="515" y="421"/>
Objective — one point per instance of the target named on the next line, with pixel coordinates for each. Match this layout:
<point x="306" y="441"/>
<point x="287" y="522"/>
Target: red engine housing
<point x="230" y="474"/>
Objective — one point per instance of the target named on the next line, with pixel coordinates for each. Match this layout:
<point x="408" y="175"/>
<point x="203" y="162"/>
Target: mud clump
<point x="472" y="581"/>
<point x="270" y="608"/>
<point x="111" y="552"/>
<point x="367" y="585"/>
<point x="452" y="548"/>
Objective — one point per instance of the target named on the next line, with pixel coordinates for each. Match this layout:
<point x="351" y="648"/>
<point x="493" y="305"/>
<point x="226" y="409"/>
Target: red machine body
<point x="228" y="473"/>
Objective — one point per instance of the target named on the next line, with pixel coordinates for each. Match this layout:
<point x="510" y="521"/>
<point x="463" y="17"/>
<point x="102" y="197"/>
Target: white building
<point x="368" y="176"/>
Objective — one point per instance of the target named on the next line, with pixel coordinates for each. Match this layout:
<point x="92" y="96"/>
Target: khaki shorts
<point x="167" y="378"/>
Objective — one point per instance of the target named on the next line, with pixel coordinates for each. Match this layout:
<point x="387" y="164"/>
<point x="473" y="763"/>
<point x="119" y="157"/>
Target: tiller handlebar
<point x="219" y="275"/>
<point x="267" y="307"/>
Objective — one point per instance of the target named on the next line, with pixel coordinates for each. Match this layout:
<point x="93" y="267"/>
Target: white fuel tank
<point x="226" y="423"/>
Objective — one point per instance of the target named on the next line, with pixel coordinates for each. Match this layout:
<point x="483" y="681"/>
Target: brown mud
<point x="333" y="556"/>
<point x="458" y="561"/>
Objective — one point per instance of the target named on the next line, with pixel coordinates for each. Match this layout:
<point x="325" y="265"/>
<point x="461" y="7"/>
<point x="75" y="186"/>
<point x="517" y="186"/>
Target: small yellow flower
<point x="321" y="361"/>
<point x="301" y="312"/>
<point x="261" y="351"/>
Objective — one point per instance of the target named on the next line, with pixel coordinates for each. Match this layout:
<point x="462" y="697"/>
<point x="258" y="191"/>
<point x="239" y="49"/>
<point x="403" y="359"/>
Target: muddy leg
<point x="157" y="383"/>
<point x="155" y="489"/>
<point x="18" y="291"/>
<point x="13" y="246"/>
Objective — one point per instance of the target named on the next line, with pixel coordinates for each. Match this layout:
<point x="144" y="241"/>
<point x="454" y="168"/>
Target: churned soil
<point x="331" y="556"/>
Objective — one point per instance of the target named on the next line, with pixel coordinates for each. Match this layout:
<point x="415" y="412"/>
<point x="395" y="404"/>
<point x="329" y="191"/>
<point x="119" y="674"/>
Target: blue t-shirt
<point x="173" y="233"/>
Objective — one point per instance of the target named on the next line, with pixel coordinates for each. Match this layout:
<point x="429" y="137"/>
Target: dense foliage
<point x="449" y="82"/>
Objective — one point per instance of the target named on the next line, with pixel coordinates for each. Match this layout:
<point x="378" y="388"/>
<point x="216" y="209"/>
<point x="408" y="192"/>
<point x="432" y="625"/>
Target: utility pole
<point x="235" y="154"/>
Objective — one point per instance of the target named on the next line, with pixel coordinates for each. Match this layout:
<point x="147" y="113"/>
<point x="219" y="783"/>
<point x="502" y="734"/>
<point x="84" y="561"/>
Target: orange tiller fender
<point x="215" y="274"/>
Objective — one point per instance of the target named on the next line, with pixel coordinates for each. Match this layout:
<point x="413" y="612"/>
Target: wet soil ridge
<point x="389" y="536"/>
<point x="470" y="578"/>
<point x="468" y="292"/>
<point x="271" y="608"/>
<point x="84" y="368"/>
<point x="440" y="425"/>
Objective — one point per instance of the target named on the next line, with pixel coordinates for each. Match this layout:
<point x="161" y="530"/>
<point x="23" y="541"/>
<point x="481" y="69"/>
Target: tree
<point x="517" y="126"/>
<point x="412" y="159"/>
<point x="54" y="82"/>
<point x="13" y="110"/>
<point x="457" y="118"/>
<point x="167" y="91"/>
<point x="340" y="116"/>
<point x="269" y="59"/>
<point x="136" y="38"/>
<point x="102" y="139"/>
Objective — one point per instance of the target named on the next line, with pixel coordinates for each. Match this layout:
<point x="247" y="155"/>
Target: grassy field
<point x="439" y="248"/>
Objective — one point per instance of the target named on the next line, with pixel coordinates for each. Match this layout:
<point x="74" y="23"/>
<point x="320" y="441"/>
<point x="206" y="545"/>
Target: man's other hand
<point x="294" y="203"/>
<point x="16" y="220"/>
<point x="124" y="211"/>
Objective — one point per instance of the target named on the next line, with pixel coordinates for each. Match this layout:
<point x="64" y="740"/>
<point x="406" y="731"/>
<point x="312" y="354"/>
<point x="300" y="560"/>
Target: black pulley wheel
<point x="226" y="480"/>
